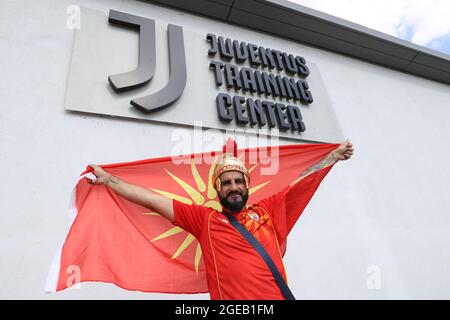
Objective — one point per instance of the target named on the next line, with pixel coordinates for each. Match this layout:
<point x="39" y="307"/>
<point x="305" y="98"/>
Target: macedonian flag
<point x="116" y="241"/>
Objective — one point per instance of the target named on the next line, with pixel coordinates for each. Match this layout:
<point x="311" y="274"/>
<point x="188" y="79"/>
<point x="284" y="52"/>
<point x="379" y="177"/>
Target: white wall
<point x="388" y="207"/>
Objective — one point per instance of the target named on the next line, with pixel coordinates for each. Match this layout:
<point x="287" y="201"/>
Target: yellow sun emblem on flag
<point x="201" y="195"/>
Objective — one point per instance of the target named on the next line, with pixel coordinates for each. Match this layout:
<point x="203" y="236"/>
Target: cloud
<point x="420" y="21"/>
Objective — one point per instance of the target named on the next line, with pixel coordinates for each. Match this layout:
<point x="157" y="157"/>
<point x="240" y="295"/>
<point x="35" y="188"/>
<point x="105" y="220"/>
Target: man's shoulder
<point x="193" y="206"/>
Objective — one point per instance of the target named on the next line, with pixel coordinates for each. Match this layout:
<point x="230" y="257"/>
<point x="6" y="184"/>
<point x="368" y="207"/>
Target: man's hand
<point x="102" y="175"/>
<point x="344" y="151"/>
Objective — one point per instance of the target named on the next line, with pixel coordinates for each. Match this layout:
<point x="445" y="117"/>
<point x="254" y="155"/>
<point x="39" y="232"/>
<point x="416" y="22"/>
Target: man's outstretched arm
<point x="134" y="193"/>
<point x="343" y="152"/>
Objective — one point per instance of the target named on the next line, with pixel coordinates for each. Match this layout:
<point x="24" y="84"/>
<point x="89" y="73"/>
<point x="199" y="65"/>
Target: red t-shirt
<point x="234" y="269"/>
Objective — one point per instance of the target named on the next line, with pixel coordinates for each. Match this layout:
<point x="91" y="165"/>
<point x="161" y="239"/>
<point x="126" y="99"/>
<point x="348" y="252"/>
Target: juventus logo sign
<point x="123" y="65"/>
<point x="143" y="74"/>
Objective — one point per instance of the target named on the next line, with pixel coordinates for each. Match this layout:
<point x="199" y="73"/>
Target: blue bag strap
<point x="263" y="253"/>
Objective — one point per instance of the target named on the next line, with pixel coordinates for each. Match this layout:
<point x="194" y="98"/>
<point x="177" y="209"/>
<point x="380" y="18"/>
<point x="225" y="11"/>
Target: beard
<point x="236" y="205"/>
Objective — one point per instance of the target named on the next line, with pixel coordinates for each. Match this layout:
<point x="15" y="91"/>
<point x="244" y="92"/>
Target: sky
<point x="423" y="22"/>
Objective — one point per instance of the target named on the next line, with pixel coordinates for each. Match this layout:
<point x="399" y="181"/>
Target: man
<point x="234" y="269"/>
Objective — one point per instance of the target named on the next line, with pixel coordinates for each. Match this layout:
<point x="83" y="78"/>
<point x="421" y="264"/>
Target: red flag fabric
<point x="116" y="241"/>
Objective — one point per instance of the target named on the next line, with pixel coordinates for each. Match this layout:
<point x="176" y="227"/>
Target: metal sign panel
<point x="143" y="68"/>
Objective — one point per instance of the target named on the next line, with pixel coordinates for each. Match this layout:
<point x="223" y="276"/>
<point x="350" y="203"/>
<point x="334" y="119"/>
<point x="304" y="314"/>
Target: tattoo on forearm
<point x="112" y="181"/>
<point x="328" y="160"/>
